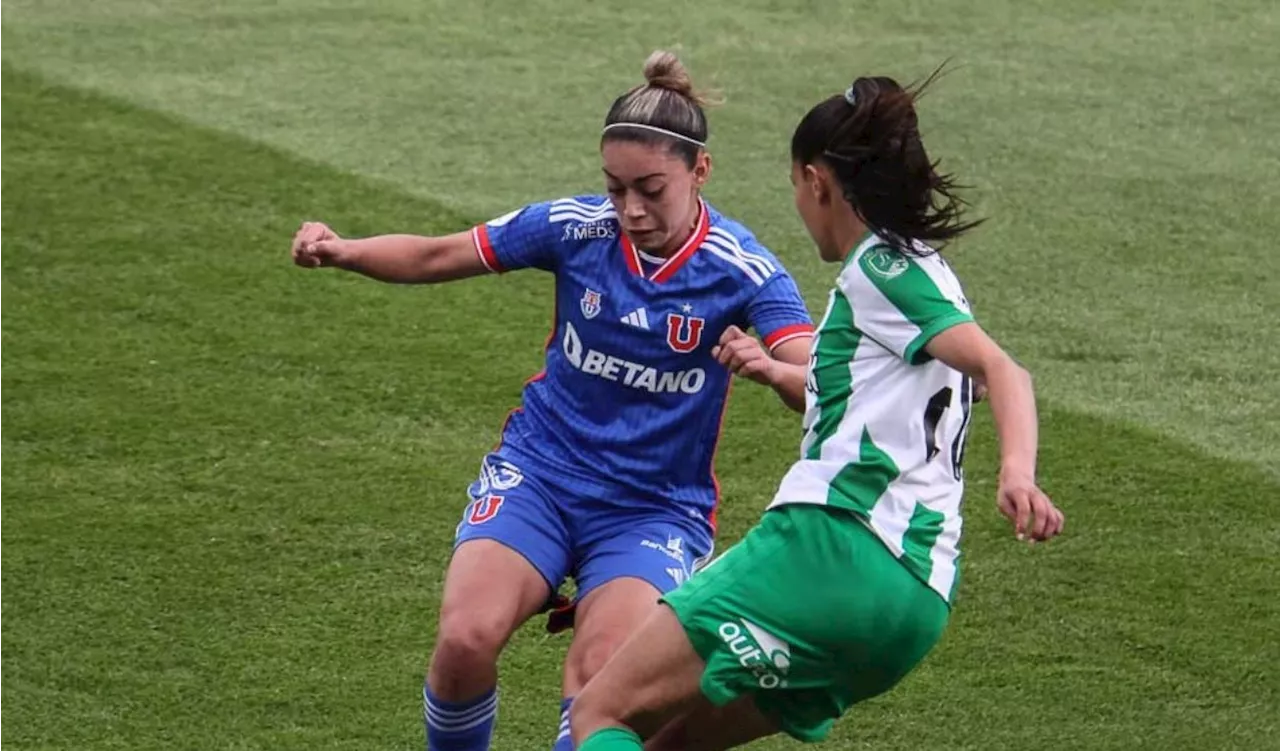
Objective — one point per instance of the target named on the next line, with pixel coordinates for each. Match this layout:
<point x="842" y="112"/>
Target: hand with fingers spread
<point x="1034" y="517"/>
<point x="744" y="355"/>
<point x="315" y="245"/>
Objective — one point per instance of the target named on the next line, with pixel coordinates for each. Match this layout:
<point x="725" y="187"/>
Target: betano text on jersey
<point x="631" y="399"/>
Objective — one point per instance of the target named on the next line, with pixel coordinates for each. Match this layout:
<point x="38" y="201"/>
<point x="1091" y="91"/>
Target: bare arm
<point x="399" y="259"/>
<point x="788" y="381"/>
<point x="784" y="369"/>
<point x="790" y="366"/>
<point x="968" y="349"/>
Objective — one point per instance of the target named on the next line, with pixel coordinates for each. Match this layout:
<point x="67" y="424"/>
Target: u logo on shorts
<point x="484" y="509"/>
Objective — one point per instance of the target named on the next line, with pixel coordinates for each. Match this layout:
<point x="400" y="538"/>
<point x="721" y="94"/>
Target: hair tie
<point x="851" y="96"/>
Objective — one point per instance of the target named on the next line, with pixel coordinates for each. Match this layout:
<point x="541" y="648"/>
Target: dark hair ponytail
<point x="869" y="137"/>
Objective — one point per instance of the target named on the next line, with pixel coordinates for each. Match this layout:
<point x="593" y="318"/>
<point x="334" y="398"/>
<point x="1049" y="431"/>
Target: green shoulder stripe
<point x="910" y="289"/>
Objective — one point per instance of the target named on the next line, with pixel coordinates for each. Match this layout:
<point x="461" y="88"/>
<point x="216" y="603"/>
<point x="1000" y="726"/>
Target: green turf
<point x="1121" y="146"/>
<point x="231" y="484"/>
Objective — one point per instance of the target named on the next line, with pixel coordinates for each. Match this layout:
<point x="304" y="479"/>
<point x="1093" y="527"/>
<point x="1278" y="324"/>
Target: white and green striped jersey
<point x="885" y="424"/>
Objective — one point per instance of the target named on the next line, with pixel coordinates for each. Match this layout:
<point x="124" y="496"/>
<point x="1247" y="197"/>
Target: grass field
<point x="230" y="486"/>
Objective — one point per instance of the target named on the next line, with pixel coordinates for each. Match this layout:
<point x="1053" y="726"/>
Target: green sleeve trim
<point x="916" y="353"/>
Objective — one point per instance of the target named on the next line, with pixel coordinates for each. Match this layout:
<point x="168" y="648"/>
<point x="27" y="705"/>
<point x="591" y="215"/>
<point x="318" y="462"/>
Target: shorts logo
<point x="684" y="333"/>
<point x="674" y="549"/>
<point x="498" y="475"/>
<point x="503" y="475"/>
<point x="590" y="303"/>
<point x="767" y="657"/>
<point x="484" y="509"/>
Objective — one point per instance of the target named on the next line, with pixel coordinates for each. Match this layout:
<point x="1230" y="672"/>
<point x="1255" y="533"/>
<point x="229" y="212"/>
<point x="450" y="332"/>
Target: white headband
<point x="655" y="129"/>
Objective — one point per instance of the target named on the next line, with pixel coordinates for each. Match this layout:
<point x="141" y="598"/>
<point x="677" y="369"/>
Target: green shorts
<point x="810" y="613"/>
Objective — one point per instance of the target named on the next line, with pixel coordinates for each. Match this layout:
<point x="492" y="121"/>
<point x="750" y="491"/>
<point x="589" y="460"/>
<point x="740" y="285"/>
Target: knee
<point x="467" y="643"/>
<point x="589" y="658"/>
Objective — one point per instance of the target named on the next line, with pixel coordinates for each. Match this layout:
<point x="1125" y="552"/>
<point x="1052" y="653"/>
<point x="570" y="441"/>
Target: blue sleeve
<point x="777" y="312"/>
<point x="524" y="238"/>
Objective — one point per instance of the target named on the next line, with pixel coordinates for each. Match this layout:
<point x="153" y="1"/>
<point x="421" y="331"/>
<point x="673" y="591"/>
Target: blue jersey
<point x="630" y="402"/>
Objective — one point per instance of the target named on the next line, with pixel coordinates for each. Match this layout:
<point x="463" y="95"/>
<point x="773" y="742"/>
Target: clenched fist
<point x="315" y="245"/>
<point x="744" y="355"/>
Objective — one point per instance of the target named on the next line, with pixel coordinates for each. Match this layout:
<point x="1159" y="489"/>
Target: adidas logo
<point x="638" y="318"/>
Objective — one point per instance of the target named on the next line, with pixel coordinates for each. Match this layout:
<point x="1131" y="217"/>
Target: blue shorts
<point x="567" y="531"/>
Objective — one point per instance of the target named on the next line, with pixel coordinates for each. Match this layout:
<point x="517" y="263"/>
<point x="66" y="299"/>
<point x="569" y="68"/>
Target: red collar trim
<point x="678" y="259"/>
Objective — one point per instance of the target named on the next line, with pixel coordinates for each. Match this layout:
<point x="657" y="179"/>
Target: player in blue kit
<point x="606" y="473"/>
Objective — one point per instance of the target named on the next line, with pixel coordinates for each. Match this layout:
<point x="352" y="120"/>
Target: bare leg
<point x="651" y="680"/>
<point x="605" y="618"/>
<point x="707" y="727"/>
<point x="489" y="591"/>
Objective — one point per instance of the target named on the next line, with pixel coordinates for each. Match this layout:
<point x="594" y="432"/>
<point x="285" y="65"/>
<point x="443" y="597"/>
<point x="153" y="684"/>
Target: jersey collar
<point x="677" y="259"/>
<point x="868" y="237"/>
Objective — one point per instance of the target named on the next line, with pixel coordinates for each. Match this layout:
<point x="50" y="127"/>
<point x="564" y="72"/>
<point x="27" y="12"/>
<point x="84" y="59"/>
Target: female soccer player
<point x="606" y="472"/>
<point x="846" y="582"/>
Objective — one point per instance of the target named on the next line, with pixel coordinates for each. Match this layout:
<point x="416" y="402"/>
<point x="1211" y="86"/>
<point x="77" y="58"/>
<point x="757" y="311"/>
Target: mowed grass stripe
<point x="232" y="485"/>
<point x="1115" y="145"/>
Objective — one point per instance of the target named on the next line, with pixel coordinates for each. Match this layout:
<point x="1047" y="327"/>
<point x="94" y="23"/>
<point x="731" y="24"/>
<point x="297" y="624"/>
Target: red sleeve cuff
<point x="787" y="333"/>
<point x="484" y="248"/>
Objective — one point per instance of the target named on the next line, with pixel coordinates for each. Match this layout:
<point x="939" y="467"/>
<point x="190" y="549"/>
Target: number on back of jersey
<point x="811" y="376"/>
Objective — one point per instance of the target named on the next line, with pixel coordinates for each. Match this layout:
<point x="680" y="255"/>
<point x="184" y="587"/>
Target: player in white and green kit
<point x="846" y="583"/>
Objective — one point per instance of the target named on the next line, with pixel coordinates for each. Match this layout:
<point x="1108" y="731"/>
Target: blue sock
<point x="459" y="726"/>
<point x="564" y="742"/>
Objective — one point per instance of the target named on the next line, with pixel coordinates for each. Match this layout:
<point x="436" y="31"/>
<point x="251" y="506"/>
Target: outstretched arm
<point x="968" y="349"/>
<point x="399" y="259"/>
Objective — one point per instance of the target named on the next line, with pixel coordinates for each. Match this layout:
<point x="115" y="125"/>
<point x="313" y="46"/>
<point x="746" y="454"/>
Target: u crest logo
<point x="484" y="509"/>
<point x="684" y="333"/>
